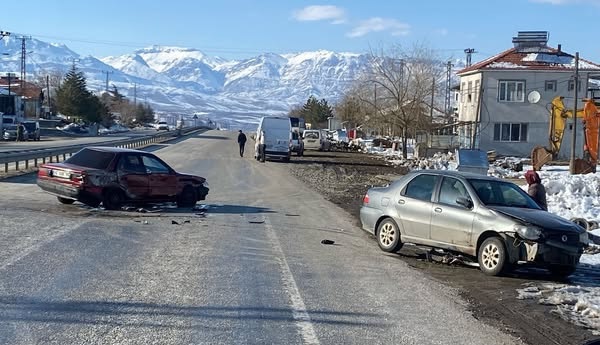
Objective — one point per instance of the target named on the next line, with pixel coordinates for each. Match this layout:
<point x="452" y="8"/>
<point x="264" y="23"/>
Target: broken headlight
<point x="584" y="238"/>
<point x="528" y="232"/>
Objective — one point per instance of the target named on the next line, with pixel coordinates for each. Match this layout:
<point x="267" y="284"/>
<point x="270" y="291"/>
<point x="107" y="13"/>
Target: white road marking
<point x="299" y="313"/>
<point x="32" y="248"/>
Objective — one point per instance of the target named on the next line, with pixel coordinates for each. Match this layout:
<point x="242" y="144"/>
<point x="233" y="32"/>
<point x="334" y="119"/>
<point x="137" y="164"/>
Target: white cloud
<point x="321" y="12"/>
<point x="567" y="2"/>
<point x="378" y="24"/>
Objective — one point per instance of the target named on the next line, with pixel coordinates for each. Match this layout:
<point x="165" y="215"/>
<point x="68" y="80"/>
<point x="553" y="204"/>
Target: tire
<point x="65" y="200"/>
<point x="187" y="198"/>
<point x="388" y="236"/>
<point x="492" y="256"/>
<point x="561" y="271"/>
<point x="113" y="199"/>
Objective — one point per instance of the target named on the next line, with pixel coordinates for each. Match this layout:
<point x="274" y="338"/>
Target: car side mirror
<point x="463" y="201"/>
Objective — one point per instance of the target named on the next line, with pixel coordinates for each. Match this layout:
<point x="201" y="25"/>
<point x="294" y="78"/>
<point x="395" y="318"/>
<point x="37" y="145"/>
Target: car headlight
<point x="528" y="232"/>
<point x="205" y="184"/>
<point x="584" y="238"/>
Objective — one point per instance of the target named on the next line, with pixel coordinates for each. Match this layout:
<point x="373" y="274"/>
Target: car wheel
<point x="561" y="271"/>
<point x="113" y="199"/>
<point x="492" y="256"/>
<point x="187" y="198"/>
<point x="65" y="200"/>
<point x="388" y="236"/>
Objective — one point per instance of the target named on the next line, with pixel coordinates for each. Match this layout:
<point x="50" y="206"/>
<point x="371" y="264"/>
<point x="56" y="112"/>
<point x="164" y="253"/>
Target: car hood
<point x="540" y="218"/>
<point x="189" y="177"/>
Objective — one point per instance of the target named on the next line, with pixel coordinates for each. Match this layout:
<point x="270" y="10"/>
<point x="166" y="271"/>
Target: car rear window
<point x="91" y="159"/>
<point x="30" y="126"/>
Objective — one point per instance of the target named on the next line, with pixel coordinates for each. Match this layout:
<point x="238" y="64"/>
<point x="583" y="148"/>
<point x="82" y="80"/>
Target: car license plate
<point x="312" y="141"/>
<point x="61" y="173"/>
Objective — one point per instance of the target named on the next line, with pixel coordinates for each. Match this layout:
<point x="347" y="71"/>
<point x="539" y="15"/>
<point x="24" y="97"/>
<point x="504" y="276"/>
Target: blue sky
<point x="243" y="28"/>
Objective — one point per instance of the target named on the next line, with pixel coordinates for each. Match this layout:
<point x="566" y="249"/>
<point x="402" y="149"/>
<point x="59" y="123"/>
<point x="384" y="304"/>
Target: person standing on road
<point x="242" y="142"/>
<point x="536" y="189"/>
<point x="262" y="147"/>
<point x="20" y="132"/>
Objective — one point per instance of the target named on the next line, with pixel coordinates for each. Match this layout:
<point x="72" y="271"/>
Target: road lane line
<point x="299" y="312"/>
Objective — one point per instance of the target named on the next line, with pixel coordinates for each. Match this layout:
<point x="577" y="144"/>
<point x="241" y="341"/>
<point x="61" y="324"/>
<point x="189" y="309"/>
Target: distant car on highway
<point x="10" y="132"/>
<point x="33" y="130"/>
<point x="162" y="126"/>
<point x="478" y="216"/>
<point x="114" y="177"/>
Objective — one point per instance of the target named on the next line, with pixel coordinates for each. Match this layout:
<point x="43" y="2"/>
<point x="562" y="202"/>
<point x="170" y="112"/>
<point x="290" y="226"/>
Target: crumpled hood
<point x="541" y="218"/>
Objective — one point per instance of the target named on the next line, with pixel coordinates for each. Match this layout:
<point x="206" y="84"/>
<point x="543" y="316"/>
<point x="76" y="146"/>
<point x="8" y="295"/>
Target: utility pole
<point x="49" y="96"/>
<point x="448" y="99"/>
<point x="135" y="95"/>
<point x="107" y="73"/>
<point x="469" y="52"/>
<point x="574" y="133"/>
<point x="24" y="39"/>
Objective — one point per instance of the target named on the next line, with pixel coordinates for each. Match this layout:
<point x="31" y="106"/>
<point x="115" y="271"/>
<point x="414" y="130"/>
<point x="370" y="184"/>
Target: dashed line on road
<point x="299" y="312"/>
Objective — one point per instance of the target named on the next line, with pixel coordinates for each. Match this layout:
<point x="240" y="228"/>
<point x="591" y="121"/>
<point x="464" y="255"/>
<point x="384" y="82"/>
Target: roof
<point x="538" y="59"/>
<point x="457" y="174"/>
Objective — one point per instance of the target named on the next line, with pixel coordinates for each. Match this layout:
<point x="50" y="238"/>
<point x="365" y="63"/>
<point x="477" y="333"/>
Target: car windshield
<point x="500" y="193"/>
<point x="10" y="127"/>
<point x="90" y="158"/>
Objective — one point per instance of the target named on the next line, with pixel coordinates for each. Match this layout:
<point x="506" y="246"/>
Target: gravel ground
<point x="344" y="177"/>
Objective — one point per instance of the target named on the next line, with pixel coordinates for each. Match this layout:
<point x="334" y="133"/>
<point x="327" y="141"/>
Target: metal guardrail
<point x="12" y="161"/>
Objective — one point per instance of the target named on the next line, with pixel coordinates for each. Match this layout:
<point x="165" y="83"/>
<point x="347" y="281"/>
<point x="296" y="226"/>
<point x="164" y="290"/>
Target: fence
<point x="19" y="160"/>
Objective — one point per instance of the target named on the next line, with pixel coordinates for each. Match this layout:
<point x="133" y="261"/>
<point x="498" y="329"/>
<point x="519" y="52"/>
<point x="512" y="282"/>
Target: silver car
<point x="483" y="217"/>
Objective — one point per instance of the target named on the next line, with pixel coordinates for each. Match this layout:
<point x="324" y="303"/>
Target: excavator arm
<point x="558" y="121"/>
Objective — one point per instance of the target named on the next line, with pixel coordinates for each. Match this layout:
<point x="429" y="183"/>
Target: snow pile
<point x="507" y="167"/>
<point x="116" y="128"/>
<point x="439" y="161"/>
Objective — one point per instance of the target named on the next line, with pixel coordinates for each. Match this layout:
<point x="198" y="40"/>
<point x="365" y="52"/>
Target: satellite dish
<point x="534" y="97"/>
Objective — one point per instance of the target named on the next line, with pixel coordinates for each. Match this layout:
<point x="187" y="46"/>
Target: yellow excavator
<point x="541" y="155"/>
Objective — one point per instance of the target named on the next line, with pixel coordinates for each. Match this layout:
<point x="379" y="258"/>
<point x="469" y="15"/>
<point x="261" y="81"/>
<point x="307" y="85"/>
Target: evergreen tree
<point x="316" y="112"/>
<point x="72" y="96"/>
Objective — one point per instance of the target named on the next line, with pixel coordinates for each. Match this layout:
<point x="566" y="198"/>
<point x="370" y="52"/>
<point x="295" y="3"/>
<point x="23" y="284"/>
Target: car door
<point x="163" y="181"/>
<point x="414" y="206"/>
<point x="451" y="222"/>
<point x="133" y="177"/>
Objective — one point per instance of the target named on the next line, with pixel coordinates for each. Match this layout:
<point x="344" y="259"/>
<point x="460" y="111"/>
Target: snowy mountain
<point x="185" y="80"/>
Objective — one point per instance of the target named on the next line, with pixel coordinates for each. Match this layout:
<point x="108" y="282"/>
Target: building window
<point x="511" y="91"/>
<point x="470" y="92"/>
<point x="513" y="132"/>
<point x="551" y="85"/>
<point x="572" y="85"/>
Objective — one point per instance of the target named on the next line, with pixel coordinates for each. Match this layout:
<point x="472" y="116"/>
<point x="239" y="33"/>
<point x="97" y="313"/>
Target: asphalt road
<point x="251" y="270"/>
<point x="47" y="142"/>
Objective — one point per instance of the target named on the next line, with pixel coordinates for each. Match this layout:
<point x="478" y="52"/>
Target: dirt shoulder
<point x="344" y="177"/>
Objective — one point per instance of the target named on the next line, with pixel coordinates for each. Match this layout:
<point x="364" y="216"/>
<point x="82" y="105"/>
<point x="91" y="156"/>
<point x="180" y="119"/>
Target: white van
<point x="278" y="137"/>
<point x="312" y="139"/>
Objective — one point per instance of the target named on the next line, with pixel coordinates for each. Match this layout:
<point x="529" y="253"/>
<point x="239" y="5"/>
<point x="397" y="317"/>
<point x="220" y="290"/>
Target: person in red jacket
<point x="536" y="189"/>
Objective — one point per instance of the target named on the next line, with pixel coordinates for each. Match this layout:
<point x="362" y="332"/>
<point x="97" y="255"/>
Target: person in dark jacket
<point x="242" y="142"/>
<point x="536" y="189"/>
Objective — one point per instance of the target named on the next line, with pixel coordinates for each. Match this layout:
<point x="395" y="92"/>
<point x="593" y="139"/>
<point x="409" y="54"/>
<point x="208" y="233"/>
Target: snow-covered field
<point x="569" y="196"/>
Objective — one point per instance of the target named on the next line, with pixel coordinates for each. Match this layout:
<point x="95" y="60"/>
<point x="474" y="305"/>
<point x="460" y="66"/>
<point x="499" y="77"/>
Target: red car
<point x="114" y="176"/>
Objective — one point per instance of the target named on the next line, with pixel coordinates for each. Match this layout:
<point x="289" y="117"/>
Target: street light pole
<point x="574" y="133"/>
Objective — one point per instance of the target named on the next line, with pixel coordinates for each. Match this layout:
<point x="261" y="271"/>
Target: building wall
<point x="496" y="114"/>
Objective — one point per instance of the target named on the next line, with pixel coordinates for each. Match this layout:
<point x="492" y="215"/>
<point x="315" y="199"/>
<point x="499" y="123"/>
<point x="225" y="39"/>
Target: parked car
<point x="313" y="139"/>
<point x="297" y="144"/>
<point x="481" y="217"/>
<point x="33" y="129"/>
<point x="115" y="176"/>
<point x="162" y="126"/>
<point x="10" y="132"/>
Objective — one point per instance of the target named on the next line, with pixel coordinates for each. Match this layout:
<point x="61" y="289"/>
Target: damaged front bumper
<point x="547" y="251"/>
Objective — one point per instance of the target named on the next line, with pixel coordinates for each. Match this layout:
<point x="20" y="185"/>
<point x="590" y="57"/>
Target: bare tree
<point x="402" y="82"/>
